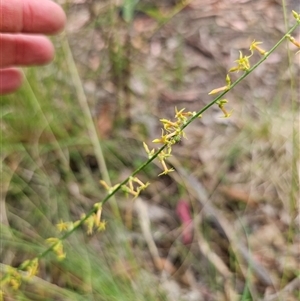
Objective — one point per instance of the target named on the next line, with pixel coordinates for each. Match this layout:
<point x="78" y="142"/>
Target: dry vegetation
<point x="225" y="224"/>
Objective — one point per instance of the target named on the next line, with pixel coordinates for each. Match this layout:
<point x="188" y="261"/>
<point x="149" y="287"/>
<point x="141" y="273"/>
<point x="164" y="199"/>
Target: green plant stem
<point x="242" y="77"/>
<point x="113" y="192"/>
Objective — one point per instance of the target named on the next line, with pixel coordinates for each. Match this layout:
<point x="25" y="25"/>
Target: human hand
<point x="22" y="25"/>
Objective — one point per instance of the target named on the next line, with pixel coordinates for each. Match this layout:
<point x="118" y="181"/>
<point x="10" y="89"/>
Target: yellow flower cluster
<point x="94" y="221"/>
<point x="172" y="130"/>
<point x="172" y="133"/>
<point x="13" y="277"/>
<point x="64" y="226"/>
<point x="30" y="266"/>
<point x="136" y="189"/>
<point x="133" y="187"/>
<point x="57" y="247"/>
<point x="243" y="64"/>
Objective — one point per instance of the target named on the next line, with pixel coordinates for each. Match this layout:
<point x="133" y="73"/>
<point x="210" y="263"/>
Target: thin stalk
<point x="241" y="78"/>
<point x="201" y="112"/>
<point x="294" y="190"/>
<point x="141" y="167"/>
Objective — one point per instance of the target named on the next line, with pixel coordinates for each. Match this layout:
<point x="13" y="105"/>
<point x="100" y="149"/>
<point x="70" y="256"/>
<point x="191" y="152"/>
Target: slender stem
<point x="242" y="77"/>
<point x="113" y="192"/>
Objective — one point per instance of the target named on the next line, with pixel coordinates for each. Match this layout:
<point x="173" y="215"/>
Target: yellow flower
<point x="182" y="116"/>
<point x="228" y="81"/>
<point x="57" y="247"/>
<point x="150" y="153"/>
<point x="129" y="190"/>
<point x="296" y="15"/>
<point x="89" y="223"/>
<point x="15" y="282"/>
<point x="293" y="40"/>
<point x="243" y="63"/>
<point x="164" y="139"/>
<point x="32" y="269"/>
<point x="179" y="114"/>
<point x="61" y="256"/>
<point x="102" y="226"/>
<point x="168" y="124"/>
<point x="31" y="266"/>
<point x="224" y="88"/>
<point x="254" y="46"/>
<point x="98" y="214"/>
<point x="234" y="69"/>
<point x="226" y="114"/>
<point x="142" y="185"/>
<point x="63" y="226"/>
<point x="166" y="171"/>
<point x="107" y="187"/>
<point x="14" y="278"/>
<point x="221" y="104"/>
<point x="218" y="90"/>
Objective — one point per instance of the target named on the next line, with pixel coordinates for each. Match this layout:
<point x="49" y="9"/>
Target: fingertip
<point x="25" y="50"/>
<point x="62" y="20"/>
<point x="10" y="80"/>
<point x="59" y="19"/>
<point x="46" y="52"/>
<point x="31" y="16"/>
<point x="43" y="17"/>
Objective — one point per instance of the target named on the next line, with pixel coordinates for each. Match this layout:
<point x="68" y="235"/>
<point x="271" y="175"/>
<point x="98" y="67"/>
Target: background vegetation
<point x="131" y="63"/>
